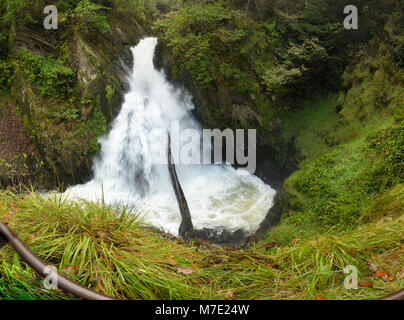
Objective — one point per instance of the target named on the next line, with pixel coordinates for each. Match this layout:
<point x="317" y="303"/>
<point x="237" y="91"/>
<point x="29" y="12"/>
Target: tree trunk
<point x="186" y="228"/>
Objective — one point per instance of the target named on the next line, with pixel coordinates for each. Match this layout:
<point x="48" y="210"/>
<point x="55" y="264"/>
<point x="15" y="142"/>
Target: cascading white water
<point x="126" y="172"/>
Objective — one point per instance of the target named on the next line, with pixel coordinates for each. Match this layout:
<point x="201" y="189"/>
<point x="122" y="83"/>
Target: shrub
<point x="55" y="79"/>
<point x="87" y="11"/>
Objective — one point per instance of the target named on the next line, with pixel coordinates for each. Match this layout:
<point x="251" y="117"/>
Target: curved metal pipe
<point x="41" y="268"/>
<point x="399" y="295"/>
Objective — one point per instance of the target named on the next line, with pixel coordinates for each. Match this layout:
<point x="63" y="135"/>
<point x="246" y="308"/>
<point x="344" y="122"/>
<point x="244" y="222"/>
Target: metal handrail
<point x="399" y="295"/>
<point x="7" y="235"/>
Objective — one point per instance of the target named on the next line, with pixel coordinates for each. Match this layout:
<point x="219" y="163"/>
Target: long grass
<point x="109" y="250"/>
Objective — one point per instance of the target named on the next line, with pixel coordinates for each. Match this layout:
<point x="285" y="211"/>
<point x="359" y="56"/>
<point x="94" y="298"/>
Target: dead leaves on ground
<point x="376" y="275"/>
<point x="69" y="270"/>
<point x="10" y="214"/>
<point x="226" y="256"/>
<point x="229" y="294"/>
<point x="366" y="284"/>
<point x="384" y="274"/>
<point x="184" y="270"/>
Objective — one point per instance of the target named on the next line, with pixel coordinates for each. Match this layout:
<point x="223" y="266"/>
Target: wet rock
<point x="223" y="237"/>
<point x="275" y="212"/>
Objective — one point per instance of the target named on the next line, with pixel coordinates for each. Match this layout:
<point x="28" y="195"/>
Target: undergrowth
<point x="110" y="251"/>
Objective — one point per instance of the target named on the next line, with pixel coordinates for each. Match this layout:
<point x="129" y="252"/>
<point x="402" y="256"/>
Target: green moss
<point x="97" y="126"/>
<point x="389" y="204"/>
<point x="356" y="178"/>
<point x="109" y="93"/>
<point x="352" y="148"/>
<point x="315" y="126"/>
<point x="336" y="188"/>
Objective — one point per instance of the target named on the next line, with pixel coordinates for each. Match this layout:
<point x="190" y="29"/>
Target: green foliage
<point x="336" y="188"/>
<point x="315" y="126"/>
<point x="97" y="126"/>
<point x="109" y="93"/>
<point x="359" y="159"/>
<point x="6" y="72"/>
<point x="138" y="7"/>
<point x="353" y="171"/>
<point x="63" y="112"/>
<point x="55" y="79"/>
<point x="87" y="10"/>
<point x="388" y="146"/>
<point x="17" y="11"/>
<point x="215" y="43"/>
<point x="4" y="45"/>
<point x="355" y="174"/>
<point x="299" y="64"/>
<point x="389" y="204"/>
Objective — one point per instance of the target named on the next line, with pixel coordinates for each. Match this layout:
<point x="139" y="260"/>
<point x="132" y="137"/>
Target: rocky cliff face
<point x="15" y="147"/>
<point x="61" y="130"/>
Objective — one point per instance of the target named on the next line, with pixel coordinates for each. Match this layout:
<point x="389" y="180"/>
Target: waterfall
<point x="126" y="171"/>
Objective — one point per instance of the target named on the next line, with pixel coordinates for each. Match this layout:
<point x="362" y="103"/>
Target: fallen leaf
<point x="185" y="270"/>
<point x="390" y="278"/>
<point x="320" y="298"/>
<point x="31" y="237"/>
<point x="229" y="294"/>
<point x="67" y="269"/>
<point x="381" y="273"/>
<point x="219" y="260"/>
<point x="366" y="284"/>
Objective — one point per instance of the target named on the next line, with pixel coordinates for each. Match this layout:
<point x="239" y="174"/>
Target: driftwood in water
<point x="186" y="230"/>
<point x="186" y="227"/>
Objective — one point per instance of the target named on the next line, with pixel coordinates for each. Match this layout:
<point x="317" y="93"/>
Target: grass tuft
<point x="108" y="250"/>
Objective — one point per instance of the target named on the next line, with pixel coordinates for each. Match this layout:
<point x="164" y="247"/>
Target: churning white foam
<point x="125" y="172"/>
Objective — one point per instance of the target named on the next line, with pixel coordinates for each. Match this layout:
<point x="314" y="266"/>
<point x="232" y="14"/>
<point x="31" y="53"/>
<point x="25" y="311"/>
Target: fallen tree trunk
<point x="186" y="229"/>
